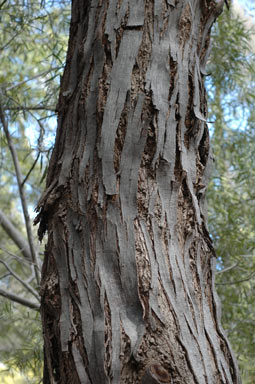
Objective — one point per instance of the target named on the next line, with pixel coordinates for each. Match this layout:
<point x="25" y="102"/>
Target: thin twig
<point x="20" y="300"/>
<point x="30" y="170"/>
<point x="26" y="285"/>
<point x="21" y="193"/>
<point x="9" y="41"/>
<point x="4" y="276"/>
<point x="27" y="262"/>
<point x="227" y="269"/>
<point x="13" y="174"/>
<point x="238" y="281"/>
<point x="32" y="108"/>
<point x="31" y="78"/>
<point x="17" y="30"/>
<point x="31" y="278"/>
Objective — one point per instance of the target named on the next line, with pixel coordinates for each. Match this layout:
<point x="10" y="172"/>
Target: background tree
<point x="231" y="192"/>
<point x="33" y="39"/>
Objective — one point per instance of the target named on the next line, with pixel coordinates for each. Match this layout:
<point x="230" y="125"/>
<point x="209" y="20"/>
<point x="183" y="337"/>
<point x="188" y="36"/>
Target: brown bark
<point x="128" y="277"/>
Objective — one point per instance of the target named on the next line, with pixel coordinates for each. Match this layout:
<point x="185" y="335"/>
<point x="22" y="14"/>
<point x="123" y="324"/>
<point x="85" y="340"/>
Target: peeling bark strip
<point x="128" y="279"/>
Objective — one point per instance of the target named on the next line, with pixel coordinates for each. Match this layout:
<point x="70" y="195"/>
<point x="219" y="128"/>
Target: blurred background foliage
<point x="33" y="43"/>
<point x="231" y="192"/>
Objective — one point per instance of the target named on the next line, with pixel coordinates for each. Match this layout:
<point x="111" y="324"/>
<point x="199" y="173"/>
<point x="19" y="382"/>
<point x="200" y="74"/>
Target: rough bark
<point x="128" y="277"/>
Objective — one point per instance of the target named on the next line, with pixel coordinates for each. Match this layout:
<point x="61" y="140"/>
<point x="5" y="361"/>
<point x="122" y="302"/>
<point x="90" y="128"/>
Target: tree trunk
<point x="128" y="278"/>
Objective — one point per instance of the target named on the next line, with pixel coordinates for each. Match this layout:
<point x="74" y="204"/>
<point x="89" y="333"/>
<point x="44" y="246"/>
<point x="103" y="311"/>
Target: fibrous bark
<point x="128" y="277"/>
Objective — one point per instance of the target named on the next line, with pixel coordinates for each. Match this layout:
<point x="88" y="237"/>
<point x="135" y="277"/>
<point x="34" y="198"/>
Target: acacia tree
<point x="128" y="276"/>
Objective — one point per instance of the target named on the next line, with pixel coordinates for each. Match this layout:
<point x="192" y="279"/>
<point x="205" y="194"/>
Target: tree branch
<point x="239" y="281"/>
<point x="20" y="300"/>
<point x="227" y="269"/>
<point x="30" y="184"/>
<point x="32" y="108"/>
<point x="26" y="285"/>
<point x="2" y="4"/>
<point x="27" y="262"/>
<point x="31" y="78"/>
<point x="4" y="276"/>
<point x="15" y="235"/>
<point x="9" y="41"/>
<point x="30" y="170"/>
<point x="22" y="195"/>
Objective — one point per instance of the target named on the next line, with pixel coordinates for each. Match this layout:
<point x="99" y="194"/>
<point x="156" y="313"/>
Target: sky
<point x="248" y="5"/>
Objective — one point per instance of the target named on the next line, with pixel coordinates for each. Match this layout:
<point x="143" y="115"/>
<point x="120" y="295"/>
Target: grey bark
<point x="128" y="277"/>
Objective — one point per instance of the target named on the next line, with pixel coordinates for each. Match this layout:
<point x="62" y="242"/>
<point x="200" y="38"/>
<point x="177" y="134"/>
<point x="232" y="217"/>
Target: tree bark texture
<point x="128" y="277"/>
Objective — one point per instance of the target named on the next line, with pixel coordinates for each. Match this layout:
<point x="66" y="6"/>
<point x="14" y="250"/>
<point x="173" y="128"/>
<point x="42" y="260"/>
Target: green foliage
<point x="231" y="191"/>
<point x="21" y="347"/>
<point x="33" y="41"/>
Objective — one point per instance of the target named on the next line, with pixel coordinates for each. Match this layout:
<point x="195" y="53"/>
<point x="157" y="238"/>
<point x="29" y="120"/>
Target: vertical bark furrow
<point x="128" y="278"/>
<point x="120" y="85"/>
